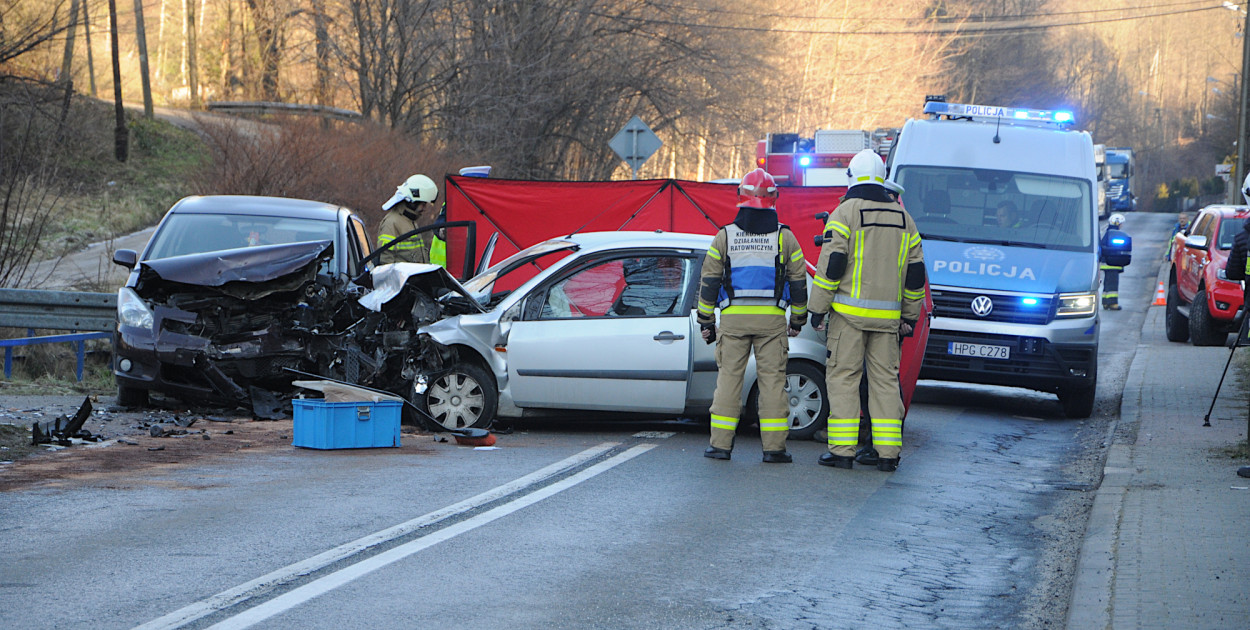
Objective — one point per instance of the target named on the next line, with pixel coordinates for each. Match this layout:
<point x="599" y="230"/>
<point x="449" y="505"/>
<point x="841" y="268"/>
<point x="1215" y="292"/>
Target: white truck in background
<point x="1100" y="166"/>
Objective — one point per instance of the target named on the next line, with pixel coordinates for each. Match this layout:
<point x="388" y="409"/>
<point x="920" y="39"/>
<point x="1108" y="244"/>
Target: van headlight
<point x="1076" y="304"/>
<point x="131" y="311"/>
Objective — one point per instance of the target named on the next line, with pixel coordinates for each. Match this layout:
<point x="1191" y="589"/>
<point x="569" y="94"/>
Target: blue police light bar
<point x="805" y="160"/>
<point x="1117" y="241"/>
<point x="1029" y="301"/>
<point x="993" y="111"/>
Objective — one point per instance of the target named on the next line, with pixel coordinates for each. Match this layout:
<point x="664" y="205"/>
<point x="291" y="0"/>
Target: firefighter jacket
<point x="396" y="223"/>
<point x="753" y="270"/>
<point x="1105" y="241"/>
<point x="871" y="268"/>
<point x="1236" y="267"/>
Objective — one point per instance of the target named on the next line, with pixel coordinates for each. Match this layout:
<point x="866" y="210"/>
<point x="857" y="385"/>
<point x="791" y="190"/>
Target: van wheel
<point x="1203" y="330"/>
<point x="463" y="398"/>
<point x="1174" y="324"/>
<point x="1078" y="402"/>
<point x="806" y="396"/>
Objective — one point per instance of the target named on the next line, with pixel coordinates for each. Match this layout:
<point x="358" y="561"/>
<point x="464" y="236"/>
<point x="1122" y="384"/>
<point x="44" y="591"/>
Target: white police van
<point x="1006" y="201"/>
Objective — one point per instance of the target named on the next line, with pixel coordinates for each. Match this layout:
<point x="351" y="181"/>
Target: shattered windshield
<point x="1001" y="207"/>
<point x="198" y="233"/>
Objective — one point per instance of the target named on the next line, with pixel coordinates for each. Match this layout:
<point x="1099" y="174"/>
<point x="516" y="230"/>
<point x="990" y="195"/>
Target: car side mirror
<point x="127" y="258"/>
<point x="1196" y="241"/>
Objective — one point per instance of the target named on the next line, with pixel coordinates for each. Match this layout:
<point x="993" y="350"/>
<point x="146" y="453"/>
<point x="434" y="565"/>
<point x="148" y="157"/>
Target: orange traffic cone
<point x="1161" y="298"/>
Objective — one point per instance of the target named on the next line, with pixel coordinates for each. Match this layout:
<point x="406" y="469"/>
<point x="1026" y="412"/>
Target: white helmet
<point x="1245" y="188"/>
<point x="866" y="168"/>
<point x="415" y="188"/>
<point x="1115" y="220"/>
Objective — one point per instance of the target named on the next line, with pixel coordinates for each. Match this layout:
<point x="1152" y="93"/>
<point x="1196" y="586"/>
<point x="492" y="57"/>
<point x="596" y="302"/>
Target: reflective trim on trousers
<point x="774" y="424"/>
<point x="887" y="432"/>
<point x="843" y="431"/>
<point x="724" y="422"/>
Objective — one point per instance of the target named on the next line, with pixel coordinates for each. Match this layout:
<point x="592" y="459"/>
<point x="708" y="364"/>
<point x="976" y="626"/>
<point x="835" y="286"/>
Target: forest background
<point x="536" y="88"/>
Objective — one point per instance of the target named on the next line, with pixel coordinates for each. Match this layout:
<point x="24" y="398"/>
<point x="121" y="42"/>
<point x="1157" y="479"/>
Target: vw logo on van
<point x="981" y="306"/>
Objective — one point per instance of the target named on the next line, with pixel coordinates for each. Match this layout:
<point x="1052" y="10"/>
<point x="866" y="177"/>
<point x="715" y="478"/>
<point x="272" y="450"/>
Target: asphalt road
<point x="596" y="526"/>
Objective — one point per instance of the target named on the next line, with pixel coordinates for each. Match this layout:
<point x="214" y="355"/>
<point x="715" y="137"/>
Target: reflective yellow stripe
<point x="873" y="313"/>
<point x="843" y="431"/>
<point x="706" y="308"/>
<point x="839" y="228"/>
<point x="915" y="240"/>
<point x="902" y="264"/>
<point x="825" y="284"/>
<point x="774" y="424"/>
<point x="887" y="432"/>
<point x="913" y="295"/>
<point x="753" y="310"/>
<point x="724" y="422"/>
<point x="858" y="271"/>
<point x="796" y="256"/>
<point x="798" y="310"/>
<point x="711" y="251"/>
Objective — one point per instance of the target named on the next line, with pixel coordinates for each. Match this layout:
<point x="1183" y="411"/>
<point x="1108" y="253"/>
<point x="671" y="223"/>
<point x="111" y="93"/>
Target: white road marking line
<point x="228" y="598"/>
<point x="287" y="601"/>
<point x="658" y="435"/>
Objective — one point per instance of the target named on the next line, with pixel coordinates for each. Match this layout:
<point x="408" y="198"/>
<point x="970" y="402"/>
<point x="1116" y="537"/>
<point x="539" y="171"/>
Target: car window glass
<point x="198" y="233"/>
<point x="1203" y="227"/>
<point x="362" y="238"/>
<point x="644" y="286"/>
<point x="1229" y="228"/>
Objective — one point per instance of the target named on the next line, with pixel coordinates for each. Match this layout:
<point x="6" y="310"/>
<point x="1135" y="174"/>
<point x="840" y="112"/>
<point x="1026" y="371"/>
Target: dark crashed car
<point x="234" y="292"/>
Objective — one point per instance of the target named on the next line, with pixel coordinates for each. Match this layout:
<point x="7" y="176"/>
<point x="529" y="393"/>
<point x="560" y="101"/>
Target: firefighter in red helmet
<point x="753" y="270"/>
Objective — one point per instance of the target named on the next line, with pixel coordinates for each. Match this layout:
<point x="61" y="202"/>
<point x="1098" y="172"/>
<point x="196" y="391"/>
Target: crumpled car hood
<point x="243" y="272"/>
<point x="389" y="281"/>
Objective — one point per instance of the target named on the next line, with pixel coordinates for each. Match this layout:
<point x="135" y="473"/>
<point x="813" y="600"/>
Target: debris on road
<point x="49" y="431"/>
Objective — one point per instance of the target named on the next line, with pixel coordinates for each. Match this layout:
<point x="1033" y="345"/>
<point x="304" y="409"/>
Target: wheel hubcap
<point x="805" y="401"/>
<point x="456" y="401"/>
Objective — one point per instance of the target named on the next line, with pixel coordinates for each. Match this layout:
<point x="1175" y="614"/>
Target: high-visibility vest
<point x="754" y="272"/>
<point x="438" y="252"/>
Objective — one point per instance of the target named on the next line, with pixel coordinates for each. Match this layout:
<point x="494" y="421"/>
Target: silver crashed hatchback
<point x="601" y="322"/>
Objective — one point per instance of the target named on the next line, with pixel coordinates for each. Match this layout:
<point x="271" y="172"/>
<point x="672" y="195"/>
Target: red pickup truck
<point x="1201" y="302"/>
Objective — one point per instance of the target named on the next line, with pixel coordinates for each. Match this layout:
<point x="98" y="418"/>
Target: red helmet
<point x="757" y="190"/>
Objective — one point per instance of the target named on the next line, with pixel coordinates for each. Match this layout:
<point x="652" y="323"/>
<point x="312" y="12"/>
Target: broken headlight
<point x="131" y="311"/>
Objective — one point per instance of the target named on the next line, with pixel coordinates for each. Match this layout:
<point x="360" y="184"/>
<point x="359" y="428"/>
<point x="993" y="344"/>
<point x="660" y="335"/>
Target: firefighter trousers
<point x="851" y="351"/>
<point x="771" y="352"/>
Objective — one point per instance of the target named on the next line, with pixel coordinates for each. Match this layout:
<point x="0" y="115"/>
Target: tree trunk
<point x="86" y="27"/>
<point x="143" y="60"/>
<point x="192" y="68"/>
<point x="67" y="61"/>
<point x="121" y="140"/>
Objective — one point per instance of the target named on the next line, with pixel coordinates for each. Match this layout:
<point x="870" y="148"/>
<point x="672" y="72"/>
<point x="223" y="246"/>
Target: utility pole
<point x="1240" y="175"/>
<point x="143" y="60"/>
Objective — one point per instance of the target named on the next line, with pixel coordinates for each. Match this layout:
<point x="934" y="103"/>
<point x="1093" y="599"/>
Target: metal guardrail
<point x="57" y="310"/>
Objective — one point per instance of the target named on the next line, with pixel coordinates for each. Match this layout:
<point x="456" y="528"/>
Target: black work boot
<point x="777" y="457"/>
<point x="867" y="456"/>
<point x="837" y="461"/>
<point x="887" y="465"/>
<point x="716" y="453"/>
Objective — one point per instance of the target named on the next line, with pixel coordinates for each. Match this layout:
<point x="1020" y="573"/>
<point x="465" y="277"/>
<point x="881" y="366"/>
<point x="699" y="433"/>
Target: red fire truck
<point x="817" y="161"/>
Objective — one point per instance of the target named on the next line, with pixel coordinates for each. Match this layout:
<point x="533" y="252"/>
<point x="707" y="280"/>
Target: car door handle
<point x="668" y="336"/>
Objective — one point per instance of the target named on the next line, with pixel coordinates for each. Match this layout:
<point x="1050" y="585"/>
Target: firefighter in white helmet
<point x="405" y="211"/>
<point x="1111" y="273"/>
<point x="870" y="281"/>
<point x="753" y="270"/>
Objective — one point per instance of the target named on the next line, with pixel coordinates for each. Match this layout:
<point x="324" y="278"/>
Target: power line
<point x="956" y="30"/>
<point x="939" y="19"/>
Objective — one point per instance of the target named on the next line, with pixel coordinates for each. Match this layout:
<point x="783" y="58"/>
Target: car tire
<point x="1203" y="330"/>
<point x="1175" y="325"/>
<point x="464" y="397"/>
<point x="132" y="397"/>
<point x="806" y="396"/>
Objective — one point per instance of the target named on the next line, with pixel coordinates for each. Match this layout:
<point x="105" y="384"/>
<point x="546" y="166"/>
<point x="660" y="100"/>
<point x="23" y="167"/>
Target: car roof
<point x="611" y="240"/>
<point x="258" y="206"/>
<point x="1227" y="211"/>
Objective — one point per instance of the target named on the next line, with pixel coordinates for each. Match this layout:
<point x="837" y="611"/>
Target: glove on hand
<point x="818" y="320"/>
<point x="709" y="332"/>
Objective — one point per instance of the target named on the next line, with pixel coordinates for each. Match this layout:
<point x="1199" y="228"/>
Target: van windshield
<point x="991" y="206"/>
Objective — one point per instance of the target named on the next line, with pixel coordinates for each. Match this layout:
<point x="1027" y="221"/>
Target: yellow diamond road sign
<point x="635" y="143"/>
